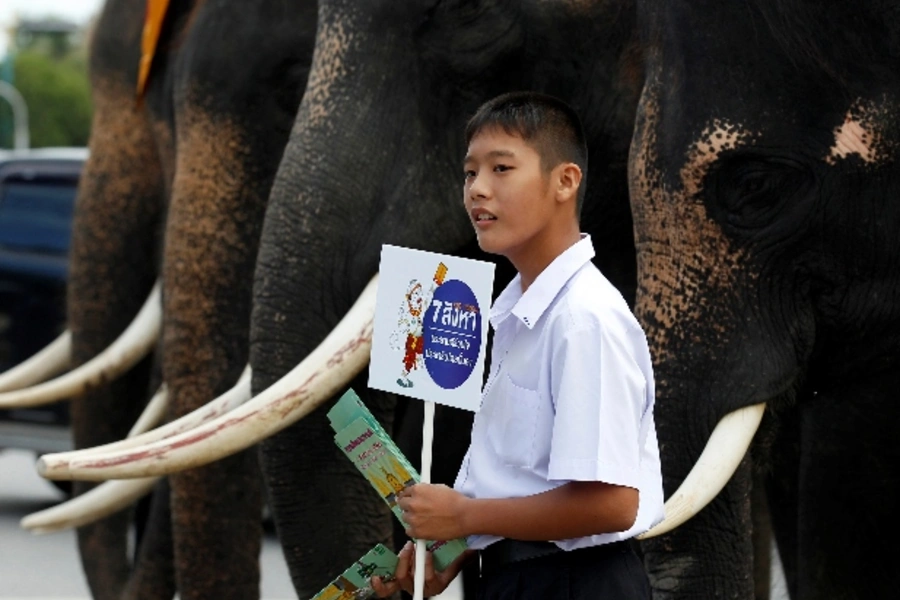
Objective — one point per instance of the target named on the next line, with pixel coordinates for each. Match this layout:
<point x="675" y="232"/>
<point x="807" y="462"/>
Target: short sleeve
<point x="599" y="393"/>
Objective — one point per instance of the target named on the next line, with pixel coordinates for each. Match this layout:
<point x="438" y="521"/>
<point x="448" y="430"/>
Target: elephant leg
<point x="718" y="535"/>
<point x="849" y="490"/>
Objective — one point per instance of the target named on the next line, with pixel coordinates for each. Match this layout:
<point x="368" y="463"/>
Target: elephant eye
<point x="752" y="182"/>
<point x="750" y="193"/>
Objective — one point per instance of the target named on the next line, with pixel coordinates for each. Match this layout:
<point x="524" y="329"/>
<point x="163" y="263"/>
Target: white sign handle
<point x="427" y="437"/>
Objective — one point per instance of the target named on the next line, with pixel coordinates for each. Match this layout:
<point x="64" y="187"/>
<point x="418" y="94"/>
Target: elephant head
<point x="762" y="173"/>
<point x="374" y="158"/>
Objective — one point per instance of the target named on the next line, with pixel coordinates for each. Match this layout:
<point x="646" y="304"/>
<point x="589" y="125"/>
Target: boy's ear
<point x="568" y="182"/>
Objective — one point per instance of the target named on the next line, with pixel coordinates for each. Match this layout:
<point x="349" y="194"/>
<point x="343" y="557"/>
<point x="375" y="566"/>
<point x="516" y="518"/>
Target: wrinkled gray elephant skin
<point x="764" y="175"/>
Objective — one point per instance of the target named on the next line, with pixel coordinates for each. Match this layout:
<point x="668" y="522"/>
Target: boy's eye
<point x="502" y="168"/>
<point x="469" y="173"/>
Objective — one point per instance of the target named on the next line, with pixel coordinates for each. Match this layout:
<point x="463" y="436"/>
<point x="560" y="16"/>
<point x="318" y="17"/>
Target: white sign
<point x="431" y="322"/>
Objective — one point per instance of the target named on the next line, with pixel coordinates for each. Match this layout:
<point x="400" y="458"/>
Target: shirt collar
<point x="530" y="306"/>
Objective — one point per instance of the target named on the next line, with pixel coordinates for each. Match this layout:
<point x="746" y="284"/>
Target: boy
<point x="563" y="465"/>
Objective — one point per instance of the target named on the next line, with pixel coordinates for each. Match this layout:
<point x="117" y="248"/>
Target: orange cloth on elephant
<point x="414" y="345"/>
<point x="153" y="20"/>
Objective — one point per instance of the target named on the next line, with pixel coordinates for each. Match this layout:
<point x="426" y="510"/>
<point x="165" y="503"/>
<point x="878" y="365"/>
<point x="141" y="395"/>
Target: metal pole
<point x="22" y="139"/>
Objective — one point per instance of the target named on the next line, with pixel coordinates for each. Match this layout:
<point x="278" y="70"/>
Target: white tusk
<point x="52" y="360"/>
<point x="130" y="347"/>
<point x="153" y="413"/>
<point x="56" y="466"/>
<point x="720" y="458"/>
<point x="343" y="354"/>
<point x="107" y="498"/>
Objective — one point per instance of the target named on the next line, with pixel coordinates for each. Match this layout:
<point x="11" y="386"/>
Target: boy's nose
<point x="477" y="188"/>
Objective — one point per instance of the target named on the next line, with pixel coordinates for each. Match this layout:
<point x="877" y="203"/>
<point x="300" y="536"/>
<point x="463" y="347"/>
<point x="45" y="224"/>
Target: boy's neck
<point x="532" y="263"/>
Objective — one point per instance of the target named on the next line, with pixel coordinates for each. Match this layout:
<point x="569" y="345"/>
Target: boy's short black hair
<point x="547" y="123"/>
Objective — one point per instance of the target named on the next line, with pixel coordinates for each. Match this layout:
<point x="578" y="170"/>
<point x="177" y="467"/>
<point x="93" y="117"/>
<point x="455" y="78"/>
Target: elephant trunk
<point x="332" y="208"/>
<point x="678" y="560"/>
<point x="702" y="389"/>
<point x="113" y="254"/>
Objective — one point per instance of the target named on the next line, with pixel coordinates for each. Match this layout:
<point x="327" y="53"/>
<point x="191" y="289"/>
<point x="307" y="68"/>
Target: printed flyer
<point x="431" y="326"/>
<point x="353" y="584"/>
<point x="379" y="459"/>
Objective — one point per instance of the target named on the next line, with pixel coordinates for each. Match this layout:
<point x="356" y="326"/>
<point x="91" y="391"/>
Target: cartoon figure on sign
<point x="408" y="335"/>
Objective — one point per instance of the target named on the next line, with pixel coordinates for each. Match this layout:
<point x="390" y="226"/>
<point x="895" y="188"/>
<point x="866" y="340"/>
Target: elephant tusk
<point x="342" y="355"/>
<point x="153" y="413"/>
<point x="720" y="458"/>
<point x="108" y="497"/>
<point x="56" y="466"/>
<point x="102" y="501"/>
<point x="130" y="347"/>
<point x="52" y="360"/>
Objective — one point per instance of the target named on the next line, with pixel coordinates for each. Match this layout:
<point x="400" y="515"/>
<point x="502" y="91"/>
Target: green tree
<point x="48" y="66"/>
<point x="58" y="96"/>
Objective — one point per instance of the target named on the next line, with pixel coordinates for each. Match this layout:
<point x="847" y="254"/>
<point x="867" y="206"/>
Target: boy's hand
<point x="404" y="574"/>
<point x="433" y="512"/>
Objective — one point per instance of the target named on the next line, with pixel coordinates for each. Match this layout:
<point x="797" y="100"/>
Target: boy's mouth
<point x="479" y="215"/>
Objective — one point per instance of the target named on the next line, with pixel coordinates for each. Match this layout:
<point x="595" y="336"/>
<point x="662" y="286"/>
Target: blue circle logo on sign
<point x="452" y="332"/>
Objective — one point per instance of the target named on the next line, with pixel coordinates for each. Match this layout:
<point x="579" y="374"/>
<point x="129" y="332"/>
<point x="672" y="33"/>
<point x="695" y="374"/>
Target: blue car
<point x="37" y="198"/>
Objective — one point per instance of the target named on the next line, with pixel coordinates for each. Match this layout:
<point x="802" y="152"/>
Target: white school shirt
<point x="569" y="396"/>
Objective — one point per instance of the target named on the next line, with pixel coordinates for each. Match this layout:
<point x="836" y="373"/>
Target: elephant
<point x="403" y="186"/>
<point x="762" y="172"/>
<point x="175" y="188"/>
<point x="390" y="86"/>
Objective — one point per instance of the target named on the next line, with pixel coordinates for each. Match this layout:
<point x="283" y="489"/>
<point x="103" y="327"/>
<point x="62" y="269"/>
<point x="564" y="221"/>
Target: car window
<point x="37" y="215"/>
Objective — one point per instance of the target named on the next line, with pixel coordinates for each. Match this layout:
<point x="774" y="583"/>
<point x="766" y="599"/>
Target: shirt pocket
<point x="512" y="429"/>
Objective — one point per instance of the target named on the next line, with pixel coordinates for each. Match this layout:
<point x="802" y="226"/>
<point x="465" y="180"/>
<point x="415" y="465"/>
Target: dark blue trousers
<point x="598" y="573"/>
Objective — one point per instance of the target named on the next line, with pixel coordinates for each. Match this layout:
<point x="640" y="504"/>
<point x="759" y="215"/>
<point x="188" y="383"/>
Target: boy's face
<point x="509" y="198"/>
